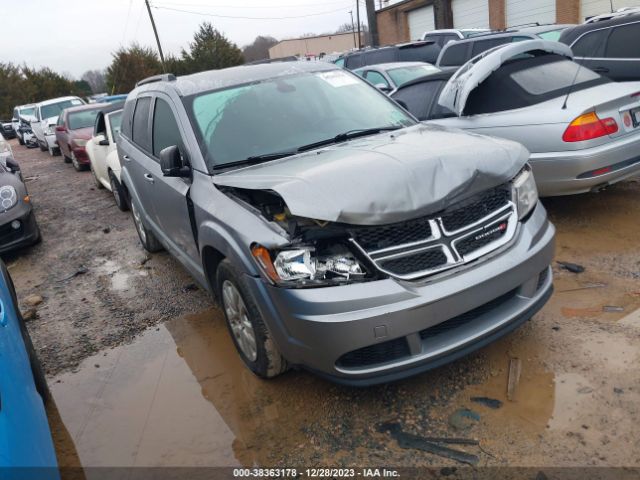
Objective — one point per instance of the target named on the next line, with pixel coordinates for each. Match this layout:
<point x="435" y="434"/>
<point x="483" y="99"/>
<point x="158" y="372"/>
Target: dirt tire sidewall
<point x="120" y="199"/>
<point x="269" y="362"/>
<point x="149" y="241"/>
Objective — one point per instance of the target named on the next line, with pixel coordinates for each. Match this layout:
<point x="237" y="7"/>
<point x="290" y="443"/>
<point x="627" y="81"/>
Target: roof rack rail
<point x="165" y="77"/>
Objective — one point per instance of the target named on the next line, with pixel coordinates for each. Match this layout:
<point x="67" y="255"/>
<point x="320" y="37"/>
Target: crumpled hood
<point x="385" y="178"/>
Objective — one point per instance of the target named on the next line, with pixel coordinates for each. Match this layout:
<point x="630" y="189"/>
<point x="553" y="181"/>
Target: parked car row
<point x="339" y="233"/>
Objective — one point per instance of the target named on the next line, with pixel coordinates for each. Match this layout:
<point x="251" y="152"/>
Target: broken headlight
<point x="309" y="266"/>
<point x="525" y="193"/>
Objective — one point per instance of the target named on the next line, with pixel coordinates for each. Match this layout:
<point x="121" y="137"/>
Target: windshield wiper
<point x="255" y="159"/>
<point x="341" y="137"/>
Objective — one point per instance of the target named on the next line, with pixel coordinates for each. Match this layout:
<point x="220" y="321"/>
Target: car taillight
<point x="589" y="126"/>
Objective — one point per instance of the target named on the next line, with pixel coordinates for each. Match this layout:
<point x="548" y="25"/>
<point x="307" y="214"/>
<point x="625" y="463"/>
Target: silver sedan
<point x="582" y="130"/>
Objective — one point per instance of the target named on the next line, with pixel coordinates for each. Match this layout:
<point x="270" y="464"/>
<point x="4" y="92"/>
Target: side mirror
<point x="171" y="163"/>
<point x="12" y="165"/>
<point x="102" y="140"/>
<point x="382" y="87"/>
<point x="61" y="128"/>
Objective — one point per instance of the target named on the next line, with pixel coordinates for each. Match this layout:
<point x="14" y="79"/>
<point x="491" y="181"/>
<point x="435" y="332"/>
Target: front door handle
<point x="126" y="158"/>
<point x="601" y="69"/>
<point x="148" y="177"/>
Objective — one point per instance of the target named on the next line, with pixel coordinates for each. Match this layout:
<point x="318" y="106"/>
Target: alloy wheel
<point x="138" y="221"/>
<point x="238" y="318"/>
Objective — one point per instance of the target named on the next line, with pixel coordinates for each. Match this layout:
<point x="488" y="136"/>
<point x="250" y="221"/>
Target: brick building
<point x="409" y="19"/>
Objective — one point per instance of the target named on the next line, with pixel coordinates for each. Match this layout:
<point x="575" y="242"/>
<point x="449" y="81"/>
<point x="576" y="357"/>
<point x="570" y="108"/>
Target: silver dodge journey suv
<point x="337" y="233"/>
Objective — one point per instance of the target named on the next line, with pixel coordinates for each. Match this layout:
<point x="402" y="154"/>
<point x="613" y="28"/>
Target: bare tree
<point x="259" y="49"/>
<point x="95" y="79"/>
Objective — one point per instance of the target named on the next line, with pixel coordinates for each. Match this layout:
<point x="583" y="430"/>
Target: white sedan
<point x="103" y="155"/>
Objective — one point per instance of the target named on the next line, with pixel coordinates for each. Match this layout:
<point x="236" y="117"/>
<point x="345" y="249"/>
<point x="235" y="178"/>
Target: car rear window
<point x="402" y="75"/>
<point x="526" y="81"/>
<point x="419" y="53"/>
<point x="624" y="42"/>
<point x="484" y="45"/>
<point x="454" y="55"/>
<point x="141" y="123"/>
<point x="83" y="119"/>
<point x="541" y="79"/>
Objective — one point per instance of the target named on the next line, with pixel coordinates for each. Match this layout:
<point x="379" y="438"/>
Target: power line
<point x="248" y="7"/>
<point x="250" y="18"/>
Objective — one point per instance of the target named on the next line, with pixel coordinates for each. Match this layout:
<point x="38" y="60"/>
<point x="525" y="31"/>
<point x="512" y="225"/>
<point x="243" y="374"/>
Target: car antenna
<point x="575" y="77"/>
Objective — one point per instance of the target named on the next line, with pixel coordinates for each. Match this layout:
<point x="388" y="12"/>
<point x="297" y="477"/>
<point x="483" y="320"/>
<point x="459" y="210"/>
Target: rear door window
<point x="141" y="123"/>
<point x="624" y="42"/>
<point x="165" y="128"/>
<point x="591" y="44"/>
<point x="454" y="55"/>
<point x="484" y="45"/>
<point x="384" y="55"/>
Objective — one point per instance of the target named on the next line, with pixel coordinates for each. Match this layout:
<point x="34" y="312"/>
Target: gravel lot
<point x="117" y="327"/>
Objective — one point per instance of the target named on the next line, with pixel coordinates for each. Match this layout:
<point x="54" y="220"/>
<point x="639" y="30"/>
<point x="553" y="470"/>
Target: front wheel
<point x="20" y="140"/>
<point x="76" y="164"/>
<point x="43" y="147"/>
<point x="253" y="340"/>
<point x="147" y="238"/>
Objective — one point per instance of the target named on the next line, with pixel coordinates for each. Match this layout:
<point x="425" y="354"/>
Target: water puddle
<point x="178" y="396"/>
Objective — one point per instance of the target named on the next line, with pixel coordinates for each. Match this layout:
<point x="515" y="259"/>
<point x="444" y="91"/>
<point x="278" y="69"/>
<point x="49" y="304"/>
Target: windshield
<point x="115" y="119"/>
<point x="83" y="119"/>
<point x="402" y="75"/>
<point x="284" y="113"/>
<point x="27" y="111"/>
<point x="53" y="110"/>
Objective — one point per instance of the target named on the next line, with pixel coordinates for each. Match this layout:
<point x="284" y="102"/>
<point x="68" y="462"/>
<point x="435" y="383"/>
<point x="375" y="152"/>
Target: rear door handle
<point x="126" y="158"/>
<point x="148" y="177"/>
<point x="601" y="69"/>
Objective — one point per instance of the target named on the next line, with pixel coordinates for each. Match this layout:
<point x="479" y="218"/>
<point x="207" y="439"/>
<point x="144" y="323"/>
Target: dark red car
<point x="73" y="130"/>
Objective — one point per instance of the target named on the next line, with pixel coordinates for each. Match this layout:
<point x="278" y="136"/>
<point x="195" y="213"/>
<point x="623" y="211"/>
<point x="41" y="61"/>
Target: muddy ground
<point x="143" y="372"/>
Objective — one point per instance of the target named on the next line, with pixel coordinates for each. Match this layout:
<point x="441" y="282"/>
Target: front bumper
<point x="563" y="173"/>
<point x="26" y="234"/>
<point x="380" y="331"/>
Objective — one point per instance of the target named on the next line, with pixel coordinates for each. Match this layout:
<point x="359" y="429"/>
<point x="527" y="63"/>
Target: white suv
<point x="46" y="116"/>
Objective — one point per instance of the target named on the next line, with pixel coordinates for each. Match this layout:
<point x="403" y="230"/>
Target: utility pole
<point x="353" y="29"/>
<point x="373" y="22"/>
<point x="155" y="32"/>
<point x="358" y="20"/>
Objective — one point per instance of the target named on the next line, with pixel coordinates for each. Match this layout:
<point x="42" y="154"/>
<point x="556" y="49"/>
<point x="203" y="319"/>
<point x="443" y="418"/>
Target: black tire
<point x="119" y="195"/>
<point x="148" y="240"/>
<point x="98" y="183"/>
<point x="20" y="141"/>
<point x="67" y="159"/>
<point x="77" y="165"/>
<point x="43" y="148"/>
<point x="39" y="378"/>
<point x="269" y="361"/>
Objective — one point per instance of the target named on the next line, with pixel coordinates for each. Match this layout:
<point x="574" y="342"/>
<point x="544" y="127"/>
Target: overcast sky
<point x="73" y="36"/>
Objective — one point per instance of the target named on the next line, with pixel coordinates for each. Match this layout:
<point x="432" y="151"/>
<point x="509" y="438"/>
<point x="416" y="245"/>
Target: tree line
<point x="209" y="50"/>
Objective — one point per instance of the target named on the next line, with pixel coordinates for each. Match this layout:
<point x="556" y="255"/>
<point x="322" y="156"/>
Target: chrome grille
<point x="427" y="245"/>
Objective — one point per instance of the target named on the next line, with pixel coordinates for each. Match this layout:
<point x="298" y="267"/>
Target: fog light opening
<point x="15" y="224"/>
